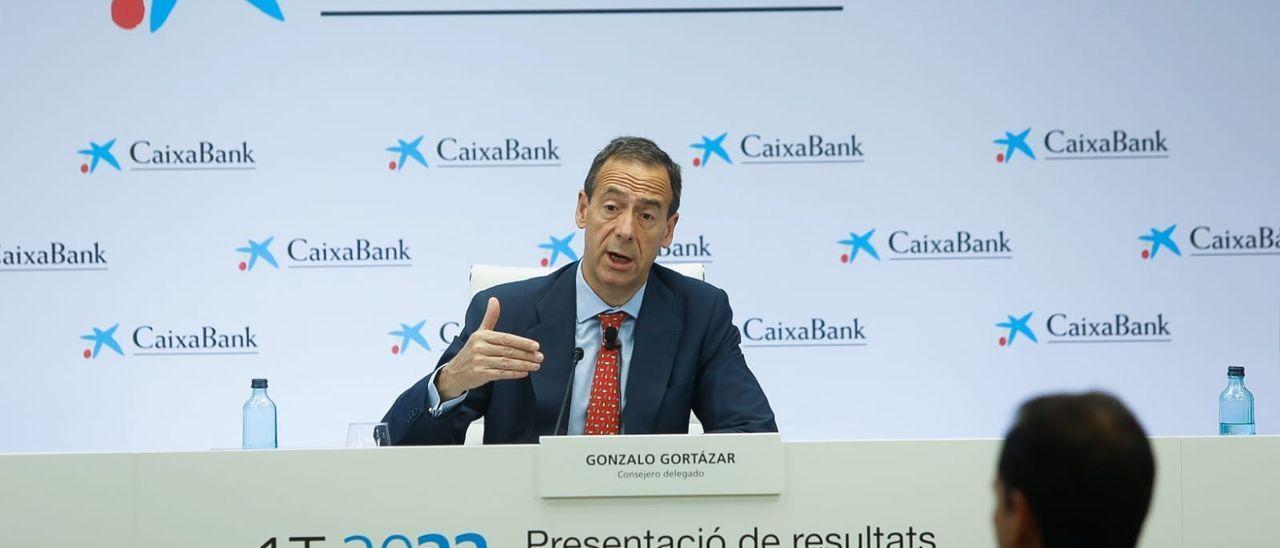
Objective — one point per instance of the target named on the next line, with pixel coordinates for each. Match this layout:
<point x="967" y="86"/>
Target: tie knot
<point x="612" y="319"/>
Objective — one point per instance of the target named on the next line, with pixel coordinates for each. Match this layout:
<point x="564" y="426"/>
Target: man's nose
<point x="625" y="227"/>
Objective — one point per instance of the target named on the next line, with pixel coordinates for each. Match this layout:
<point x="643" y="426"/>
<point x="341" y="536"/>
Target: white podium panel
<point x="662" y="465"/>
<point x="883" y="494"/>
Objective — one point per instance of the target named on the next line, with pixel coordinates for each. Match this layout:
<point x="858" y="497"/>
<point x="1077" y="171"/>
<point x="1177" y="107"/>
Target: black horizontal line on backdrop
<point x="211" y="168"/>
<point x="402" y="265"/>
<point x="1237" y="254"/>
<point x="580" y="11"/>
<point x="54" y="269"/>
<point x="498" y="165"/>
<point x="949" y="258"/>
<point x="796" y="345"/>
<point x="254" y="353"/>
<point x="1112" y="157"/>
<point x="804" y="161"/>
<point x="1113" y="341"/>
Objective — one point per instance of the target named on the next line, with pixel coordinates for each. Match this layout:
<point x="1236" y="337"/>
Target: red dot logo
<point x="1146" y="254"/>
<point x="84" y="168"/>
<point x="697" y="162"/>
<point x="127" y="14"/>
<point x="395" y="349"/>
<point x="844" y="258"/>
<point x="1000" y="157"/>
<point x="392" y="165"/>
<point x="1003" y="341"/>
<point x="87" y="354"/>
<point x="243" y="266"/>
<point x="544" y="262"/>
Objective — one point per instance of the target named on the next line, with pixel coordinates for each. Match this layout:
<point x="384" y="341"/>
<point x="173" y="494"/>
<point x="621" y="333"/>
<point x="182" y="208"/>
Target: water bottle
<point x="1235" y="406"/>
<point x="260" y="418"/>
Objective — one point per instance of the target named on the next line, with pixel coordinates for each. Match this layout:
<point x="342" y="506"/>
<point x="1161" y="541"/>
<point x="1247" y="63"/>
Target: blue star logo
<point x="1014" y="143"/>
<point x="101" y="337"/>
<point x="258" y="250"/>
<point x="410" y="334"/>
<point x="558" y="246"/>
<point x="101" y="152"/>
<point x="1015" y="326"/>
<point x="1159" y="239"/>
<point x="160" y="10"/>
<point x="712" y="146"/>
<point x="408" y="149"/>
<point x="858" y="242"/>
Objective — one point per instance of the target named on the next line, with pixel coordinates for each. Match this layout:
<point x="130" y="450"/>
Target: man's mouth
<point x="617" y="259"/>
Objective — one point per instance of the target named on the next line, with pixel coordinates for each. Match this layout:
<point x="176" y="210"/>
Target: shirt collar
<point x="591" y="305"/>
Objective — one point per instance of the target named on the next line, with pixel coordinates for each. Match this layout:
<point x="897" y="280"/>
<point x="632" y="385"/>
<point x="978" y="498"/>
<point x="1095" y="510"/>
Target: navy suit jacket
<point x="685" y="357"/>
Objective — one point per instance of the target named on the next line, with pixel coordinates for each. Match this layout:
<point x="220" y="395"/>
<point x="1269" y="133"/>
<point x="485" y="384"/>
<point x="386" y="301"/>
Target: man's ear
<point x="581" y="214"/>
<point x="671" y="230"/>
<point x="1025" y="530"/>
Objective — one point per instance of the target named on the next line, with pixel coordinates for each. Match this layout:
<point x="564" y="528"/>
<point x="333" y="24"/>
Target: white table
<point x="1211" y="492"/>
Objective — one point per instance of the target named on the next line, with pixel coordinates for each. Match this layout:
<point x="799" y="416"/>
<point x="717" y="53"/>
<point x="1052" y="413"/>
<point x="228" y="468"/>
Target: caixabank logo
<point x="53" y="256"/>
<point x="903" y="244"/>
<point x="411" y="335"/>
<point x="150" y="340"/>
<point x="309" y="253"/>
<point x="1211" y="241"/>
<point x="755" y="148"/>
<point x="1217" y="241"/>
<point x="148" y="155"/>
<point x="694" y="249"/>
<point x="1061" y="144"/>
<point x="1068" y="328"/>
<point x="463" y="152"/>
<point x="1157" y="239"/>
<point x="760" y="332"/>
<point x="557" y="251"/>
<point x="128" y="14"/>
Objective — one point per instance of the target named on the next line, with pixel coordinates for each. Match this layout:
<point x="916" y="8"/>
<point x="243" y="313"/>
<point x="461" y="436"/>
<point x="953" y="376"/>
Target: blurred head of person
<point x="1076" y="471"/>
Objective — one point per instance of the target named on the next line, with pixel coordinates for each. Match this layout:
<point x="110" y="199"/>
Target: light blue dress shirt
<point x="588" y="335"/>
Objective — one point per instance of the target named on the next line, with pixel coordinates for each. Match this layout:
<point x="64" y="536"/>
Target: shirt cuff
<point x="434" y="405"/>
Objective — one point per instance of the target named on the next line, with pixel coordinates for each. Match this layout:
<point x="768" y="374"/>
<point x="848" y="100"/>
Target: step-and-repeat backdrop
<point x="923" y="212"/>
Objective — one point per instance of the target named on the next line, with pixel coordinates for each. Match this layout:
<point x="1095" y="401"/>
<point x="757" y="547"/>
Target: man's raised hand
<point x="488" y="356"/>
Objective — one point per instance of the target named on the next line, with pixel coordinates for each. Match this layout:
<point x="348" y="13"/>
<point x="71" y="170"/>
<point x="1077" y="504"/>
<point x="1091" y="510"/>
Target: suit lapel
<point x="555" y="335"/>
<point x="656" y="336"/>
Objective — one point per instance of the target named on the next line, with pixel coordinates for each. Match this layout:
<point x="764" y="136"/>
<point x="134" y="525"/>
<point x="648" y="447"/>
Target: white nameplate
<point x="662" y="465"/>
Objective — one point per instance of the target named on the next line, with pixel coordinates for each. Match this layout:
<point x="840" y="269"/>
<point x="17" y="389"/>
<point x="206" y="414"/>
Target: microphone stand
<point x="568" y="393"/>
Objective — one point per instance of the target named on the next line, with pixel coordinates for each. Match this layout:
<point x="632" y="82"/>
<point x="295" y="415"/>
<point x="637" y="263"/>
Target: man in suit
<point x="655" y="345"/>
<point x="1075" y="470"/>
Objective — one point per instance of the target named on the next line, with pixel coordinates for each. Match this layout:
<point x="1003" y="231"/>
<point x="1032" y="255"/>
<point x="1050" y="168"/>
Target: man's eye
<point x="647" y="216"/>
<point x="610" y="207"/>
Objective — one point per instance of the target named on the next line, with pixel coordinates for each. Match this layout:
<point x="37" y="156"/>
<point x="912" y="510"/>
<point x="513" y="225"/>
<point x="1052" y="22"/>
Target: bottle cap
<point x="1235" y="371"/>
<point x="259" y="383"/>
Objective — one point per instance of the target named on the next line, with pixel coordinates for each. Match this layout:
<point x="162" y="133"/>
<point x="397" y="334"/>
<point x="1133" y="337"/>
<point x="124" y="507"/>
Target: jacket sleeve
<point x="410" y="422"/>
<point x="728" y="397"/>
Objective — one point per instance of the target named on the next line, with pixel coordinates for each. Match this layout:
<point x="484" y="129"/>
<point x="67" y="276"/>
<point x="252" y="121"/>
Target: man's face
<point x="626" y="223"/>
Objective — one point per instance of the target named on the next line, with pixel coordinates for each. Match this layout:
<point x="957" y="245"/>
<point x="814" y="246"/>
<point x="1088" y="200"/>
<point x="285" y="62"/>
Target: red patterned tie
<point x="603" y="411"/>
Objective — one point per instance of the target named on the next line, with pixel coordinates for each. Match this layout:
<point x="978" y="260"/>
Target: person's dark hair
<point x="1084" y="465"/>
<point x="642" y="151"/>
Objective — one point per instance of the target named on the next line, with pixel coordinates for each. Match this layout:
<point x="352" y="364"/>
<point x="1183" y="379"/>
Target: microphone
<point x="568" y="392"/>
<point x="611" y="338"/>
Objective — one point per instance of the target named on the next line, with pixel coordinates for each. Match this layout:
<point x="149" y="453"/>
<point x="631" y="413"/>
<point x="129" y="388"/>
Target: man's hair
<point x="1085" y="466"/>
<point x="643" y="152"/>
